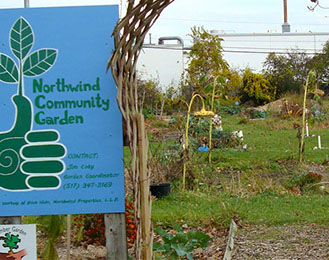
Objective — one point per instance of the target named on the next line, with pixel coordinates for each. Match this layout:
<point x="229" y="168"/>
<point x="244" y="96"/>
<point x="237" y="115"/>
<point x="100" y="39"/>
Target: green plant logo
<point x="10" y="241"/>
<point x="29" y="159"/>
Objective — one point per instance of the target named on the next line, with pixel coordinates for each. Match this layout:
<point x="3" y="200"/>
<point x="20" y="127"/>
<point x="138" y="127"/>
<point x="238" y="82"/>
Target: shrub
<point x="230" y="110"/>
<point x="257" y="88"/>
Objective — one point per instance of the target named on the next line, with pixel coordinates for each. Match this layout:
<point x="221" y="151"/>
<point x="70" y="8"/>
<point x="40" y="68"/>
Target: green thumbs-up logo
<point x="29" y="159"/>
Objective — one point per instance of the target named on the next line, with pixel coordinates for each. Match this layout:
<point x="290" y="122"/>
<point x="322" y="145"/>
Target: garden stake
<point x="307" y="133"/>
<point x="221" y="79"/>
<point x="230" y="242"/>
<point x="210" y="121"/>
<point x="319" y="142"/>
<point x="204" y="113"/>
<point x="301" y="144"/>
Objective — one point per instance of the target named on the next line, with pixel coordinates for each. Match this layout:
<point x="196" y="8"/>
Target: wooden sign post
<point x="116" y="238"/>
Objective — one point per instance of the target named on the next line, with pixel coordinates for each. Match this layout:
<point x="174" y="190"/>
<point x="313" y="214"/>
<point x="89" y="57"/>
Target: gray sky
<point x="231" y="16"/>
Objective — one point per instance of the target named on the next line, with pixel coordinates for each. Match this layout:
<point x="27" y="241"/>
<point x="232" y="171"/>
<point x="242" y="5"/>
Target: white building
<point x="162" y="62"/>
<point x="166" y="62"/>
<point x="250" y="50"/>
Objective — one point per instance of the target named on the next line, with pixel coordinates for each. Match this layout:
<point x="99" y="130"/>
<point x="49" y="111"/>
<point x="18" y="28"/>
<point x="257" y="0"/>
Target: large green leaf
<point x="180" y="249"/>
<point x="21" y="38"/>
<point x="39" y="62"/>
<point x="8" y="69"/>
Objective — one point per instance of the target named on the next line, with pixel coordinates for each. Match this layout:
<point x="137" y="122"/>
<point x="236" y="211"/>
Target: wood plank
<point x="116" y="239"/>
<point x="230" y="242"/>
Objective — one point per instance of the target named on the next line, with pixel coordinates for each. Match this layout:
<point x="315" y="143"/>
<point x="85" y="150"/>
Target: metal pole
<point x="26" y="3"/>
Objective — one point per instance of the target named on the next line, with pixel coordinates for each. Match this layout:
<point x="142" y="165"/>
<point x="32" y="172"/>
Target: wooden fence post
<point x="116" y="239"/>
<point x="144" y="186"/>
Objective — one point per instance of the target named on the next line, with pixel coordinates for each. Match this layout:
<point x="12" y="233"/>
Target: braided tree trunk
<point x="129" y="35"/>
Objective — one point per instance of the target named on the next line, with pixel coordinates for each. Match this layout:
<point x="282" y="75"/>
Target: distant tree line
<point x="281" y="74"/>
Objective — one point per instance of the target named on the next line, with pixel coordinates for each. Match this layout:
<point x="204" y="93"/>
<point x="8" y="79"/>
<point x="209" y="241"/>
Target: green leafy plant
<point x="180" y="245"/>
<point x="10" y="241"/>
<point x="206" y="63"/>
<point x="230" y="110"/>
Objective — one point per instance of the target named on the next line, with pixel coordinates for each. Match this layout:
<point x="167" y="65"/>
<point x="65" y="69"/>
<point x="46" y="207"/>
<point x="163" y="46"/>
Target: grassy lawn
<point x="195" y="209"/>
<point x="271" y="139"/>
<point x="256" y="185"/>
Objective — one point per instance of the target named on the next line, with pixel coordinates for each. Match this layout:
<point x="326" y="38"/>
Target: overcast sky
<point x="230" y="16"/>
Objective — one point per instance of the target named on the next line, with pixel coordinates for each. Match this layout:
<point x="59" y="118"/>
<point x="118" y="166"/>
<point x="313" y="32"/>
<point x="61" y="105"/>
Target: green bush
<point x="257" y="88"/>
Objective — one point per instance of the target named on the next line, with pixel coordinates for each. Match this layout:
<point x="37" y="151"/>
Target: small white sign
<point x="18" y="242"/>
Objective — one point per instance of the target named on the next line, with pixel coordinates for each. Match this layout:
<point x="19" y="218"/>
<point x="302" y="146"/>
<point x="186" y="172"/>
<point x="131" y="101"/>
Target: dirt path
<point x="288" y="242"/>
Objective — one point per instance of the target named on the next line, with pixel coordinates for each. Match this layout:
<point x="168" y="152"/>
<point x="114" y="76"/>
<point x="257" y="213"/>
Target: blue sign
<point x="61" y="132"/>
